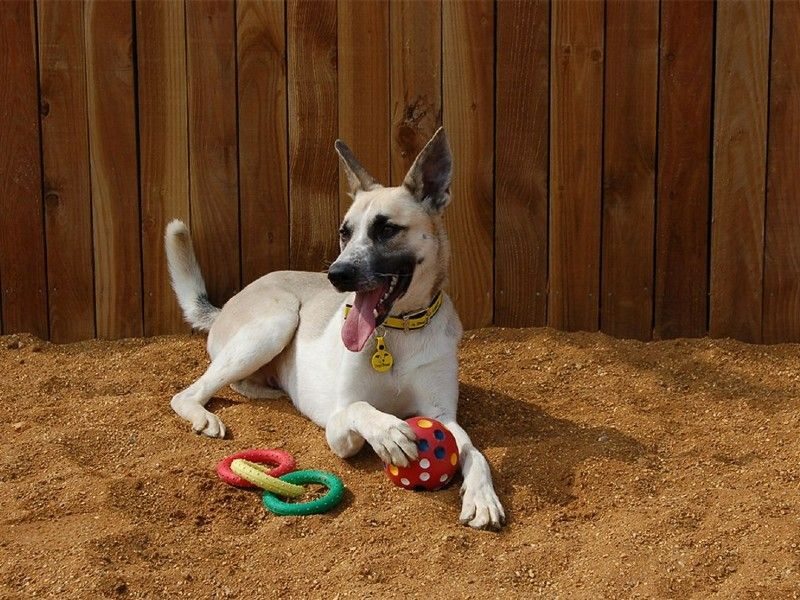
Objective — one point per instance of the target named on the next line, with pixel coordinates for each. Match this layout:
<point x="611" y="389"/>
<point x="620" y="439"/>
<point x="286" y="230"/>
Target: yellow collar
<point x="416" y="320"/>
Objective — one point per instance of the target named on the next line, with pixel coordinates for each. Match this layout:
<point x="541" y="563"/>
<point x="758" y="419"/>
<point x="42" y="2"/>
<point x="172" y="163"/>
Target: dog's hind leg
<point x="253" y="346"/>
<point x="256" y="391"/>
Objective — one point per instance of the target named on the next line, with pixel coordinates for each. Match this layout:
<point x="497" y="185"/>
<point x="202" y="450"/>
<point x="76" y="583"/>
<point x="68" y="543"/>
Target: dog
<point x="287" y="333"/>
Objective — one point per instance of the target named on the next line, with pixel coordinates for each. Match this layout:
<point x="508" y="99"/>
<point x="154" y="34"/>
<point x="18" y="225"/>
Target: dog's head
<point x="394" y="251"/>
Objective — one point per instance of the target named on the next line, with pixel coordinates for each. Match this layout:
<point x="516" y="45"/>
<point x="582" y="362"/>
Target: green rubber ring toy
<point x="314" y="507"/>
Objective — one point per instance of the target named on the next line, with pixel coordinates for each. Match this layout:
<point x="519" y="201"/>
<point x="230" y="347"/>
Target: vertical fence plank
<point x="576" y="113"/>
<point x="521" y="147"/>
<point x="782" y="250"/>
<point x="468" y="97"/>
<point x="364" y="88"/>
<point x="65" y="162"/>
<point x="684" y="161"/>
<point x="740" y="145"/>
<point x="263" y="176"/>
<point x="112" y="142"/>
<point x="22" y="252"/>
<point x="213" y="178"/>
<point x="313" y="166"/>
<point x="163" y="137"/>
<point x="416" y="70"/>
<point x="631" y="98"/>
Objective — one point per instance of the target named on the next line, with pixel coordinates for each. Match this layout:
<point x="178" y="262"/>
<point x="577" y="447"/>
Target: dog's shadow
<point x="541" y="452"/>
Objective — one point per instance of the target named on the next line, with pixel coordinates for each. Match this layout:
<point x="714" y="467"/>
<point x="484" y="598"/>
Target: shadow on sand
<point x="542" y="451"/>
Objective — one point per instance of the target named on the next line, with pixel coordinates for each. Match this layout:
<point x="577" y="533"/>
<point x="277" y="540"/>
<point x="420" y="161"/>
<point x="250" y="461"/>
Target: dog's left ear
<point x="357" y="176"/>
<point x="429" y="177"/>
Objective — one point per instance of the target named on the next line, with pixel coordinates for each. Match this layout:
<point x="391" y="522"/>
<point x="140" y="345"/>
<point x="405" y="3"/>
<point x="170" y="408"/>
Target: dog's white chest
<point x="324" y="376"/>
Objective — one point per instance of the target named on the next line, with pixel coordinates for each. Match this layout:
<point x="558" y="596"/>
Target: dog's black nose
<point x="344" y="276"/>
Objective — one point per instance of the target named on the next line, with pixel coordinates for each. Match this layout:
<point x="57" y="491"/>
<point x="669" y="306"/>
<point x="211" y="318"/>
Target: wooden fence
<point x="631" y="166"/>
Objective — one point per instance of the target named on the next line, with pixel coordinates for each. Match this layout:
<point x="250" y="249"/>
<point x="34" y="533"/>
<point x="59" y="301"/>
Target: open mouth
<point x="371" y="307"/>
<point x="394" y="287"/>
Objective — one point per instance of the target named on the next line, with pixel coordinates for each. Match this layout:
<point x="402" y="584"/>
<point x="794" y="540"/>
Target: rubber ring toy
<point x="257" y="475"/>
<point x="314" y="507"/>
<point x="284" y="461"/>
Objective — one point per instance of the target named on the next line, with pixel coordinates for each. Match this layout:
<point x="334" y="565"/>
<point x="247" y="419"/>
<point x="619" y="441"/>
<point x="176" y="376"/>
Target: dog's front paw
<point x="393" y="440"/>
<point x="481" y="508"/>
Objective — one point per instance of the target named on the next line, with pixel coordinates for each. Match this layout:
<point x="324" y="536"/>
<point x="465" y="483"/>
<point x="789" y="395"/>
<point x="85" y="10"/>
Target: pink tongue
<point x="360" y="321"/>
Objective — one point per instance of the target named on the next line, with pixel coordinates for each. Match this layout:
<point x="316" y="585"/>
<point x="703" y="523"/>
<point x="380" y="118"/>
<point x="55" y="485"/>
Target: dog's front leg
<point x="480" y="506"/>
<point x="391" y="438"/>
<point x="436" y="395"/>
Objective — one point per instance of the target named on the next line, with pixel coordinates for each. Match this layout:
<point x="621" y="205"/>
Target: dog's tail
<point x="187" y="280"/>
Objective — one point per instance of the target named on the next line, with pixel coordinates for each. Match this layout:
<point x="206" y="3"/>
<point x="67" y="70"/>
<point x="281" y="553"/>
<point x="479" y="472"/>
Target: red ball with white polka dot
<point x="437" y="461"/>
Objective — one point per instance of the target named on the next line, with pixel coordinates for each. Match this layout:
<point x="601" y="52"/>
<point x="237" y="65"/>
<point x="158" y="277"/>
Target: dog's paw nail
<point x="467" y="514"/>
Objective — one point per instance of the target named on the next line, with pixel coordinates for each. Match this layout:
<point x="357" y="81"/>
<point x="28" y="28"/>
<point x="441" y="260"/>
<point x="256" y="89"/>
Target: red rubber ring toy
<point x="284" y="461"/>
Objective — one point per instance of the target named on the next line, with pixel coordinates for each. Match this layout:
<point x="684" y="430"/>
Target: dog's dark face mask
<point x="379" y="268"/>
<point x="386" y="234"/>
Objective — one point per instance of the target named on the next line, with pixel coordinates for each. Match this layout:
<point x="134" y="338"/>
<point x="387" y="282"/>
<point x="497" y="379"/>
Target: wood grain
<point x="468" y="66"/>
<point x="65" y="162"/>
<point x="684" y="160"/>
<point x="522" y="155"/>
<point x="112" y="143"/>
<point x="164" y="151"/>
<point x="139" y="117"/>
<point x="213" y="165"/>
<point x="629" y="168"/>
<point x="313" y="166"/>
<point x="782" y="251"/>
<point x="364" y="122"/>
<point x="416" y="79"/>
<point x="576" y="113"/>
<point x="740" y="145"/>
<point x="22" y="253"/>
<point x="263" y="170"/>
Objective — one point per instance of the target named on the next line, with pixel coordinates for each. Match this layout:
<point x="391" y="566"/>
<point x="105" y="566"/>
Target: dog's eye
<point x="389" y="231"/>
<point x="345" y="232"/>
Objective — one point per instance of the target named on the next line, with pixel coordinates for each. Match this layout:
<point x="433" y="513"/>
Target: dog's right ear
<point x="357" y="176"/>
<point x="429" y="177"/>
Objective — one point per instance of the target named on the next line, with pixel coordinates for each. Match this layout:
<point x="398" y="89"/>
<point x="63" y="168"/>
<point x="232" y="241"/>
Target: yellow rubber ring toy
<point x="256" y="474"/>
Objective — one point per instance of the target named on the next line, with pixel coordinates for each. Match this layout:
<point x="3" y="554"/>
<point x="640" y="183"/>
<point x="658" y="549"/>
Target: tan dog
<point x="287" y="332"/>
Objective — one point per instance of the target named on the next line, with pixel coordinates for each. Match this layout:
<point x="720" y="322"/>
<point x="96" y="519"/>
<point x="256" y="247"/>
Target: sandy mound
<point x="627" y="470"/>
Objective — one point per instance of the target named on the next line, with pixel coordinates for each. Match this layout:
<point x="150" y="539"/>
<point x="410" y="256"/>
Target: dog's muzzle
<point x="344" y="276"/>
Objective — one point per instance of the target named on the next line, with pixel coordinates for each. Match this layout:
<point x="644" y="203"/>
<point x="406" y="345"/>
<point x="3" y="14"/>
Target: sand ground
<point x="628" y="470"/>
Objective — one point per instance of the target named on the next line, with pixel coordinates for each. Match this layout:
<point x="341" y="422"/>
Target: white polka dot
<point x="443" y="478"/>
<point x="424" y="463"/>
<point x="424" y="476"/>
<point x="405" y="481"/>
